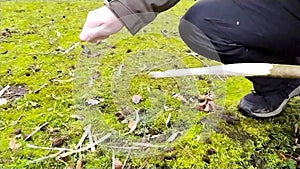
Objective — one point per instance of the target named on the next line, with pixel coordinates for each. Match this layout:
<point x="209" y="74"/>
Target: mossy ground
<point x="34" y="26"/>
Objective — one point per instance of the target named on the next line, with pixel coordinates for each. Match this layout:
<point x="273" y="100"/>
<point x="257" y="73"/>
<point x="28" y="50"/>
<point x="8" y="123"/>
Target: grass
<point x="34" y="26"/>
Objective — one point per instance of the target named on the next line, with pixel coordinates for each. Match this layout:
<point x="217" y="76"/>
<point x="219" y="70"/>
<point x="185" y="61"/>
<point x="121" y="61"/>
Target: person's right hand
<point x="100" y="24"/>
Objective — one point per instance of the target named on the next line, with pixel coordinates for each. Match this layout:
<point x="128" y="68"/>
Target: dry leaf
<point x="131" y="124"/>
<point x="56" y="142"/>
<point x="79" y="164"/>
<point x="136" y="99"/>
<point x="298" y="159"/>
<point x="13" y="144"/>
<point x="52" y="130"/>
<point x="92" y="102"/>
<point x="118" y="164"/>
<point x="77" y="117"/>
<point x="3" y="101"/>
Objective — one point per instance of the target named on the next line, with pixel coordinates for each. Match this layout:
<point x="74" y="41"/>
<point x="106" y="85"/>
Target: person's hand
<point x="100" y="24"/>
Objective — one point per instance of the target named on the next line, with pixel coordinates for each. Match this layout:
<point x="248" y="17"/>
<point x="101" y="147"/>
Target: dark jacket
<point x="135" y="14"/>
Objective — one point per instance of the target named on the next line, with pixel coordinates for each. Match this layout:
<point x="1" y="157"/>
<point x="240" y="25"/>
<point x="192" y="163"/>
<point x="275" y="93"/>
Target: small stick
<point x="239" y="69"/>
<point x="48" y="148"/>
<point x="84" y="135"/>
<point x="36" y="130"/>
<point x="168" y="119"/>
<point x="71" y="48"/>
<point x="146" y="145"/>
<point x="126" y="148"/>
<point x="113" y="159"/>
<point x="127" y="157"/>
<point x="37" y="90"/>
<point x="2" y="91"/>
<point x="16" y="122"/>
<point x="85" y="148"/>
<point x="44" y="158"/>
<point x="91" y="139"/>
<point x="63" y="81"/>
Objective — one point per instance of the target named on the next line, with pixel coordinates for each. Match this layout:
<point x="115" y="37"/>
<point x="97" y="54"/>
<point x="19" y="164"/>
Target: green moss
<point x="249" y="144"/>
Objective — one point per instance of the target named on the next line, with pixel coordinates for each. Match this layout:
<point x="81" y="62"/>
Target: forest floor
<point x="103" y="91"/>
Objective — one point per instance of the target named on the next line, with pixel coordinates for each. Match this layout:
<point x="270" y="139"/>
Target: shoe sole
<point x="276" y="112"/>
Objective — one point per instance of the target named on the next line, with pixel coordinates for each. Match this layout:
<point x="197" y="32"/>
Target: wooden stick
<point x="44" y="158"/>
<point x="36" y="130"/>
<point x="85" y="148"/>
<point x="71" y="48"/>
<point x="2" y="91"/>
<point x="84" y="135"/>
<point x="48" y="148"/>
<point x="127" y="157"/>
<point x="90" y="136"/>
<point x="240" y="69"/>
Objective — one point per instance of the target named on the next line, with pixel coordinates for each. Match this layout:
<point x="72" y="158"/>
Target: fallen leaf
<point x="13" y="144"/>
<point x="282" y="156"/>
<point x="56" y="142"/>
<point x="77" y="117"/>
<point x="131" y="124"/>
<point x="180" y="98"/>
<point x="17" y="131"/>
<point x="3" y="101"/>
<point x="92" y="102"/>
<point x="298" y="159"/>
<point x="52" y="130"/>
<point x="79" y="164"/>
<point x="118" y="164"/>
<point x="136" y="99"/>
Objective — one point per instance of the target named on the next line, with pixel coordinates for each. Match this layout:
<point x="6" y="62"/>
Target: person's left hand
<point x="100" y="24"/>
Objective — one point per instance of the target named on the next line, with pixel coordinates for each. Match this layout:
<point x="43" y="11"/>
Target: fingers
<point x="93" y="34"/>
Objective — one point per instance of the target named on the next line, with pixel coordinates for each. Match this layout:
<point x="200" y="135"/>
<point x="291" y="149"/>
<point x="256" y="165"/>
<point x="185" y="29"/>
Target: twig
<point x="168" y="119"/>
<point x="63" y="81"/>
<point x="113" y="159"/>
<point x="48" y="148"/>
<point x="4" y="125"/>
<point x="71" y="48"/>
<point x="91" y="139"/>
<point x="120" y="69"/>
<point x="146" y="145"/>
<point x="15" y="122"/>
<point x="204" y="63"/>
<point x="127" y="157"/>
<point x="36" y="130"/>
<point x="44" y="158"/>
<point x="37" y="90"/>
<point x="126" y="148"/>
<point x="84" y="135"/>
<point x="2" y="91"/>
<point x="87" y="147"/>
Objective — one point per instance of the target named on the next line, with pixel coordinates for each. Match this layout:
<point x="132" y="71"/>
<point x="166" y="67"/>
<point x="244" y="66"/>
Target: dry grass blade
<point x="71" y="48"/>
<point x="127" y="157"/>
<point x="87" y="147"/>
<point x="48" y="148"/>
<point x="84" y="135"/>
<point x="44" y="158"/>
<point x="36" y="130"/>
<point x="168" y="119"/>
<point x="90" y="136"/>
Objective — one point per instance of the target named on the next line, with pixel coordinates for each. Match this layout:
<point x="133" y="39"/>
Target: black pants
<point x="245" y="31"/>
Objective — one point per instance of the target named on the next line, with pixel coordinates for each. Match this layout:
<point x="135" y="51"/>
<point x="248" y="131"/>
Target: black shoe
<point x="271" y="103"/>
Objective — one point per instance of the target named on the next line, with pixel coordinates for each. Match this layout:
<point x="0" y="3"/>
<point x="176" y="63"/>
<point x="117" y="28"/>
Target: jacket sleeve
<point x="135" y="14"/>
